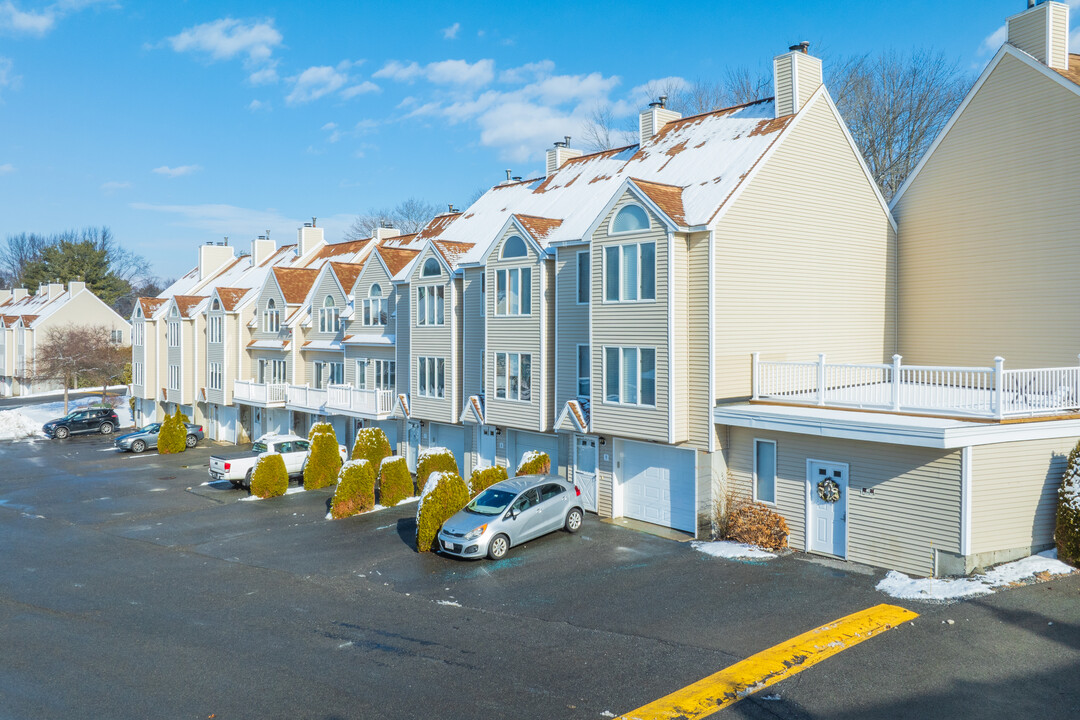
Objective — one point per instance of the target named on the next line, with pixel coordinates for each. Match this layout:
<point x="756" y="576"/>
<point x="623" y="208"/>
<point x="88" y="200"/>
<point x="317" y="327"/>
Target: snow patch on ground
<point x="26" y="421"/>
<point x="1044" y="564"/>
<point x="731" y="550"/>
<point x="452" y="603"/>
<point x="13" y="424"/>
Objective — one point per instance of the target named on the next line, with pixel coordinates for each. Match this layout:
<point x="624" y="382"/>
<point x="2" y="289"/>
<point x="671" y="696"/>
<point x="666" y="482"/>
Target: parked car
<point x="512" y="512"/>
<point x="147" y="437"/>
<point x="237" y="467"/>
<point x="86" y="420"/>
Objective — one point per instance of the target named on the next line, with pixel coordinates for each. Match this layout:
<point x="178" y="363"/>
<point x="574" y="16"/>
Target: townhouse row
<point x="659" y="319"/>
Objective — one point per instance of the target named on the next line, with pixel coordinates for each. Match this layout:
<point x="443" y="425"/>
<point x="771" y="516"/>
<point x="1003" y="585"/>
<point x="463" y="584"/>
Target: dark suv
<point x="87" y="420"/>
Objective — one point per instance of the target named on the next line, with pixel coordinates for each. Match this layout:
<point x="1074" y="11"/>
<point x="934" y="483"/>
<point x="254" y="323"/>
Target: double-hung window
<point x="271" y="371"/>
<point x="513" y="291"/>
<point x="375" y="307"/>
<point x="174" y="377"/>
<point x="429" y="377"/>
<point x="513" y="376"/>
<point x="174" y="333"/>
<point x="138" y="333"/>
<point x="583" y="277"/>
<point x="583" y="369"/>
<point x="271" y="317"/>
<point x="765" y="471"/>
<point x="361" y="373"/>
<point x="630" y="375"/>
<point x="630" y="272"/>
<point x="329" y="373"/>
<point x="215" y="328"/>
<point x="329" y="316"/>
<point x="385" y="375"/>
<point x="116" y="337"/>
<point x="137" y="373"/>
<point x="430" y="304"/>
<point x="213" y="375"/>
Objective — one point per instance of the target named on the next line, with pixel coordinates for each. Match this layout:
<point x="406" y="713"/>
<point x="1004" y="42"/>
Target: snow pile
<point x="429" y="487"/>
<point x="290" y="491"/>
<point x="389" y="458"/>
<point x="903" y="587"/>
<point x="434" y="451"/>
<point x="731" y="550"/>
<point x="1069" y="494"/>
<point x="13" y="424"/>
<point x="527" y="457"/>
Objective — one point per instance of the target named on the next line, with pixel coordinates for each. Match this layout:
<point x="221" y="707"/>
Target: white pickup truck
<point x="237" y="467"/>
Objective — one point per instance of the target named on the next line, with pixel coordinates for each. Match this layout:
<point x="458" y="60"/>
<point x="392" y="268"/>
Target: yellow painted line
<point x="767" y="667"/>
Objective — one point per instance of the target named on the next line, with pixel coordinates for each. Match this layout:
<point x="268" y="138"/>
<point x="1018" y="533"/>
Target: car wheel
<point x="498" y="547"/>
<point x="138" y="446"/>
<point x="191" y="441"/>
<point x="61" y="433"/>
<point x="573" y="520"/>
<point x="235" y="483"/>
<point x="106" y="428"/>
<point x="247" y="479"/>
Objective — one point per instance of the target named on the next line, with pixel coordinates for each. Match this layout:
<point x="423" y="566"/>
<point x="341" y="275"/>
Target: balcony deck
<point x="374" y="404"/>
<point x="267" y="395"/>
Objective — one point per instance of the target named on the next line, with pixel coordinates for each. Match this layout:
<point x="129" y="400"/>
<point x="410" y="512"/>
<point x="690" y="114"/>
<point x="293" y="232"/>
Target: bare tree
<point x="894" y="105"/>
<point x="603" y="131"/>
<point x="408" y="216"/>
<point x="73" y="352"/>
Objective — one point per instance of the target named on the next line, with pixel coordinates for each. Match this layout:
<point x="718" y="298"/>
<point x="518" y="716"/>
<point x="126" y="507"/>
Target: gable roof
<point x="668" y="198"/>
<point x="150" y="305"/>
<point x="451" y="252"/>
<point x="341" y="252"/>
<point x="538" y="227"/>
<point x="1073" y="73"/>
<point x="437" y="225"/>
<point x="347" y="273"/>
<point x="400" y="241"/>
<point x="231" y="297"/>
<point x="187" y="304"/>
<point x="295" y="283"/>
<point x="395" y="259"/>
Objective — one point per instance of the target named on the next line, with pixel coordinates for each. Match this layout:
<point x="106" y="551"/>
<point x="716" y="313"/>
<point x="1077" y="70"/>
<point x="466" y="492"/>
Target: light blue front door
<point x="827" y="517"/>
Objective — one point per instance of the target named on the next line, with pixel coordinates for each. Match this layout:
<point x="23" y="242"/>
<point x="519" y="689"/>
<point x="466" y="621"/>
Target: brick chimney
<point x="559" y="154"/>
<point x="653" y="120"/>
<point x="1042" y="31"/>
<point x="796" y="75"/>
<point x="309" y="237"/>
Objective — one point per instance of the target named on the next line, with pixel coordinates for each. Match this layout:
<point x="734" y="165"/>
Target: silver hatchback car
<point x="512" y="512"/>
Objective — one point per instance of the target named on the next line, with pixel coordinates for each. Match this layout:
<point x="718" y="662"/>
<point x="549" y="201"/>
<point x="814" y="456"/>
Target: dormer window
<point x="431" y="268"/>
<point x="271" y="317"/>
<point x="329" y="316"/>
<point x="215" y="305"/>
<point x="375" y="307"/>
<point x="174" y="312"/>
<point x="630" y="219"/>
<point x="514" y="247"/>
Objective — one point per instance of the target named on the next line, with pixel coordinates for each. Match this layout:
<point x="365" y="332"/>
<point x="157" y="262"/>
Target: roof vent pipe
<point x="803" y="47"/>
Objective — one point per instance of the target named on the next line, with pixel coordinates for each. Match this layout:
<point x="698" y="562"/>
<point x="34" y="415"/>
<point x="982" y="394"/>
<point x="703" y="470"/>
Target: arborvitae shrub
<point x="371" y="445"/>
<point x="534" y="463"/>
<point x="437" y="459"/>
<point x="483" y="478"/>
<point x="324" y="460"/>
<point x="1067" y="531"/>
<point x="355" y="491"/>
<point x="319" y="428"/>
<point x="270" y="478"/>
<point x="172" y="438"/>
<point x="755" y="524"/>
<point x="444" y="494"/>
<point x="395" y="482"/>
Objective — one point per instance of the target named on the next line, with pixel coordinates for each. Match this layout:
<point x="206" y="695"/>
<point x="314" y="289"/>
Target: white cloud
<point x="176" y="171"/>
<point x="365" y="87"/>
<point x="314" y="83"/>
<point x="26" y="22"/>
<point x="329" y="126"/>
<point x="443" y="72"/>
<point x="994" y="40"/>
<point x="395" y="70"/>
<point x="7" y="169"/>
<point x="450" y="33"/>
<point x="228" y="38"/>
<point x="8" y="78"/>
<point x="221" y="219"/>
<point x="256" y="105"/>
<point x="114" y="185"/>
<point x="528" y="72"/>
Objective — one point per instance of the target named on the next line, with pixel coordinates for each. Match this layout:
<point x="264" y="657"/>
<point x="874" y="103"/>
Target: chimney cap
<point x="803" y="46"/>
<point x="660" y="102"/>
<point x="516" y="178"/>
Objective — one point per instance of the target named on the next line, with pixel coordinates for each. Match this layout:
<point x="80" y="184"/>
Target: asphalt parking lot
<point x="129" y="588"/>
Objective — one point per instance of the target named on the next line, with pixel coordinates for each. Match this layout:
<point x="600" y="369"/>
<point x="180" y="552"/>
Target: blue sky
<point x="177" y="123"/>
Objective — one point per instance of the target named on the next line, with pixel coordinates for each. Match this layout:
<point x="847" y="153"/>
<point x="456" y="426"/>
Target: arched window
<point x="271" y="318"/>
<point x="375" y="306"/>
<point x="138" y="312"/>
<point x="216" y="305"/>
<point x="174" y="312"/>
<point x="329" y="316"/>
<point x="514" y="247"/>
<point x="630" y="219"/>
<point x="431" y="268"/>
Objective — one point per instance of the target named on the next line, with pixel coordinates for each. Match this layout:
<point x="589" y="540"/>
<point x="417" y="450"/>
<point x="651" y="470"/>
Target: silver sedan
<point x="512" y="512"/>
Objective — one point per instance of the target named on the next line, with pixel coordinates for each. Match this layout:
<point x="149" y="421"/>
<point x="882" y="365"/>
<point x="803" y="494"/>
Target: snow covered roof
<point x="295" y="282"/>
<point x="188" y="305"/>
<point x="347" y="273"/>
<point x="396" y="258"/>
<point x="231" y="297"/>
<point x="33" y="308"/>
<point x="339" y="252"/>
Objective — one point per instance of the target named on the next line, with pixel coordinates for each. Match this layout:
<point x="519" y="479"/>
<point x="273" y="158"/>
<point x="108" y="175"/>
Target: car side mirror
<point x="511" y="514"/>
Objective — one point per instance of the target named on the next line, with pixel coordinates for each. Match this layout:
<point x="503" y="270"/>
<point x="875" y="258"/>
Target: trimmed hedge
<point x="324" y="460"/>
<point x="319" y="428"/>
<point x="355" y="491"/>
<point x="172" y="438"/>
<point x="270" y="478"/>
<point x="483" y="478"/>
<point x="444" y="494"/>
<point x="1067" y="530"/>
<point x="755" y="524"/>
<point x="395" y="482"/>
<point x="437" y="459"/>
<point x="534" y="462"/>
<point x="371" y="445"/>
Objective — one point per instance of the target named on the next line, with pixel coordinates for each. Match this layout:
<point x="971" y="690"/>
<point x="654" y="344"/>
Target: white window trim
<point x="578" y="376"/>
<point x="754" y="476"/>
<point x="521" y="294"/>
<point x="502" y="250"/>
<point x="604" y="378"/>
<point x="603" y="277"/>
<point x="271" y="318"/>
<point x="495" y="369"/>
<point x="611" y="222"/>
<point x="421" y="362"/>
<point x="388" y="368"/>
<point x="434" y="307"/>
<point x="361" y="373"/>
<point x="217" y="323"/>
<point x="214" y="371"/>
<point x="577" y="277"/>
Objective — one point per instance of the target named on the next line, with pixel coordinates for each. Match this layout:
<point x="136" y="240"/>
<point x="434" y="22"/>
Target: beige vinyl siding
<point x="327" y="286"/>
<point x="804" y="260"/>
<point x="809" y="77"/>
<point x="784" y="91"/>
<point x="631" y="324"/>
<point x="269" y="355"/>
<point x="680" y="335"/>
<point x="437" y="341"/>
<point x="1014" y="494"/>
<point x="472" y="345"/>
<point x="698" y="408"/>
<point x="270" y="291"/>
<point x="369" y="352"/>
<point x="914" y="510"/>
<point x="1059" y="37"/>
<point x="573" y="324"/>
<point x="515" y="334"/>
<point x="988" y="250"/>
<point x="1027" y="31"/>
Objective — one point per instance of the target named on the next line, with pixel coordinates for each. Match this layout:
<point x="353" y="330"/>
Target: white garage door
<point x="451" y="437"/>
<point x="523" y="442"/>
<point x="657" y="484"/>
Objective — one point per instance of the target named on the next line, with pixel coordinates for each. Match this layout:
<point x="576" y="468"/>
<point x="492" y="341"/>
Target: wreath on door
<point x="828" y="490"/>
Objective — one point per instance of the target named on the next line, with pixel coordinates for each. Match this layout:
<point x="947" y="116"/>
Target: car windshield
<point x="152" y="427"/>
<point x="259" y="447"/>
<point x="490" y="502"/>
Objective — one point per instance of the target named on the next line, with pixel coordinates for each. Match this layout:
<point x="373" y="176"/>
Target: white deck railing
<point x="256" y="392"/>
<point x="960" y="391"/>
<point x="367" y="402"/>
<point x="307" y="398"/>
